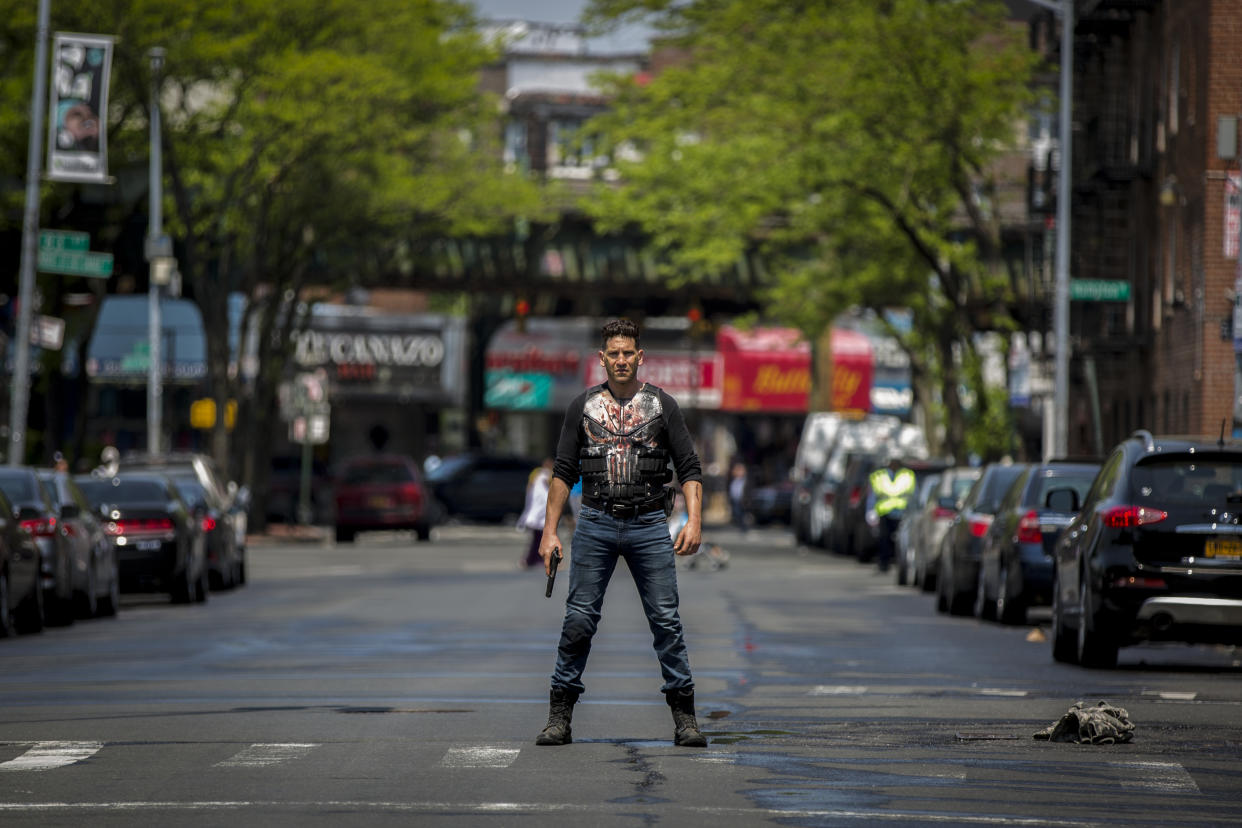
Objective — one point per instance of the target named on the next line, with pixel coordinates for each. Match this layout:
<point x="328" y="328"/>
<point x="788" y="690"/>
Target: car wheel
<point x="344" y="534"/>
<point x="1064" y="643"/>
<point x="942" y="595"/>
<point x="88" y="601"/>
<point x="203" y="585"/>
<point x="8" y="628"/>
<point x="183" y="591"/>
<point x="903" y="567"/>
<point x="983" y="608"/>
<point x="423" y="532"/>
<point x="1009" y="610"/>
<point x="1095" y="647"/>
<point x="29" y="615"/>
<point x="241" y="567"/>
<point x="112" y="601"/>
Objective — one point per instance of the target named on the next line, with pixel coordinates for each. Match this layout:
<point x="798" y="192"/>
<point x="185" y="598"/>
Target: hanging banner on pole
<point x="77" y="117"/>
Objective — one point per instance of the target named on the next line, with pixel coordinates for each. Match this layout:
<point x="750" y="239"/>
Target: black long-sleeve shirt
<point x="661" y="423"/>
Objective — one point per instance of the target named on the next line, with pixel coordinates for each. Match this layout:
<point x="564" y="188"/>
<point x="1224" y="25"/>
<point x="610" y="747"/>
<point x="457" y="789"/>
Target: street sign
<point x="75" y="263"/>
<point x="1099" y="290"/>
<point x="64" y="240"/>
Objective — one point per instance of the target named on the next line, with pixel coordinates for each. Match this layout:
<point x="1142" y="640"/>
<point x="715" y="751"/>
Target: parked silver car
<point x="938" y="513"/>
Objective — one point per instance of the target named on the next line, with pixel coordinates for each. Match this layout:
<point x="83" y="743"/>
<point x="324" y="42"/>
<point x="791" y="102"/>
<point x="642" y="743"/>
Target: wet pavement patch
<point x="732" y="737"/>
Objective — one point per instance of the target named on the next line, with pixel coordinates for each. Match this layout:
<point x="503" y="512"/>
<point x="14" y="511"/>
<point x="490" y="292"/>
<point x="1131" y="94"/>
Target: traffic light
<point x="521" y="309"/>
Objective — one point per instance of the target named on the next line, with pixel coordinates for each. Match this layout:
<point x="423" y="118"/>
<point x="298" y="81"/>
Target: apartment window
<point x="516" y="154"/>
<point x="1175" y="61"/>
<point x="570" y="154"/>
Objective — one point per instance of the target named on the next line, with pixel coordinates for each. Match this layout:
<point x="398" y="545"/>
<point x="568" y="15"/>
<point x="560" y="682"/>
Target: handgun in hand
<point x="555" y="562"/>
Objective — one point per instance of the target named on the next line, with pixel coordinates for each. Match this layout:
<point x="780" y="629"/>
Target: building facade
<point x="1157" y="102"/>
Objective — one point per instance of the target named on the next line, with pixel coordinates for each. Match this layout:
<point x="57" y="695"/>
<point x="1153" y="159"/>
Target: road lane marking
<point x="994" y="691"/>
<point x="48" y="755"/>
<point x="1171" y="695"/>
<point x="263" y="754"/>
<point x="837" y="690"/>
<point x="592" y="809"/>
<point x="1165" y="777"/>
<point x="479" y="757"/>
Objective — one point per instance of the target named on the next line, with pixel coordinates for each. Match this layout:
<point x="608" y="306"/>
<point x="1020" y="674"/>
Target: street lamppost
<point x="159" y="254"/>
<point x="19" y="400"/>
<point x="1060" y="308"/>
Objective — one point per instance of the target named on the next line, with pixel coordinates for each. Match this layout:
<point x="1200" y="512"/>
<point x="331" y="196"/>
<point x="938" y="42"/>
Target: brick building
<point x="1157" y="102"/>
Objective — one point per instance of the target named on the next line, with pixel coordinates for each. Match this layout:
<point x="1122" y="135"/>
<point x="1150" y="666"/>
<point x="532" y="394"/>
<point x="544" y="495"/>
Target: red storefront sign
<point x="853" y="366"/>
<point x="693" y="379"/>
<point x="765" y="369"/>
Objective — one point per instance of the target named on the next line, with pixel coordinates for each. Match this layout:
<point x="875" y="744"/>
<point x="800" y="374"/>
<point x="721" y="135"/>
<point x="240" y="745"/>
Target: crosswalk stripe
<point x="262" y="754"/>
<point x="48" y="755"/>
<point x="1163" y="777"/>
<point x="479" y="757"/>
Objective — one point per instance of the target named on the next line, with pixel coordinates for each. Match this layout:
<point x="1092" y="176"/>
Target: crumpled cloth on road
<point x="1099" y="725"/>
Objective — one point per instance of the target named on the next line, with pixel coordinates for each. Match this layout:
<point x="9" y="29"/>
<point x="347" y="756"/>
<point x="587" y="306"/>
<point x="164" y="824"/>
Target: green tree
<point x="850" y="140"/>
<point x="306" y="142"/>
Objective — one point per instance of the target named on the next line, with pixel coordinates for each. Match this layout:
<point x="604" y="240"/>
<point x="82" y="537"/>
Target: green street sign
<point x="76" y="263"/>
<point x="1099" y="290"/>
<point x="64" y="240"/>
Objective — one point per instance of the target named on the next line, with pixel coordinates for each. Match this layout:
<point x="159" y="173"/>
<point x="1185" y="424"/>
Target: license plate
<point x="1223" y="548"/>
<point x="147" y="546"/>
<point x="379" y="502"/>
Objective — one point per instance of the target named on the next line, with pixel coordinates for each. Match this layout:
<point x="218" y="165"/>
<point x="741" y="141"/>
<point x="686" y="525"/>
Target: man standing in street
<point x="620" y="436"/>
<point x="892" y="488"/>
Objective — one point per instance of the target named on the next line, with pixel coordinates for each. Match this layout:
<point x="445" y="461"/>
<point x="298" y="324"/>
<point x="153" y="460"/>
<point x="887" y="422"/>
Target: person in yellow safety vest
<point x="891" y="488"/>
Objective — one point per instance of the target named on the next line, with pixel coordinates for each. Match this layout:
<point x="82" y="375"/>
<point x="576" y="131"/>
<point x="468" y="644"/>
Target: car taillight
<point x="944" y="513"/>
<point x="135" y="526"/>
<point x="1139" y="582"/>
<point x="979" y="525"/>
<point x="409" y="492"/>
<point x="855" y="496"/>
<point x="209" y="524"/>
<point x="40" y="527"/>
<point x="1028" y="528"/>
<point x="1128" y="517"/>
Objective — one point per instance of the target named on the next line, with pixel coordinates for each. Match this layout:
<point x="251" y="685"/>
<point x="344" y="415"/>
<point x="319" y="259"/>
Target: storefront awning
<point x="765" y="369"/>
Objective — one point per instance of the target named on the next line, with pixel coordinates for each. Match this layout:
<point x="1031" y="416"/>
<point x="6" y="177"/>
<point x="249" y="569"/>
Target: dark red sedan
<point x="380" y="492"/>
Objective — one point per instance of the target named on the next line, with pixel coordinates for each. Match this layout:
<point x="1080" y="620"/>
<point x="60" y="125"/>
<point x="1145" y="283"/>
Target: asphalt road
<point x="393" y="683"/>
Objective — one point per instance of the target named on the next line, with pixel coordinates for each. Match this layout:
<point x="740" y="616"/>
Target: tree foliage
<point x="305" y="142"/>
<point x="849" y="140"/>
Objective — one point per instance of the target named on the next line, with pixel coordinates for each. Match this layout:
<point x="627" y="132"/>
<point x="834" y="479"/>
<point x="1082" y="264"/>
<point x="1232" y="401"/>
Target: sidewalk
<point x="289" y="533"/>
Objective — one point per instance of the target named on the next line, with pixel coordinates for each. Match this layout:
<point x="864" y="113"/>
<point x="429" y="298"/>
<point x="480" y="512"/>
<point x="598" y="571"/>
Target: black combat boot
<point x="560" y="710"/>
<point x="685" y="726"/>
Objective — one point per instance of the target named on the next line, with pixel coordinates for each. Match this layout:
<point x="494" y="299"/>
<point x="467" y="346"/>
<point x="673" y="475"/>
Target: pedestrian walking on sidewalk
<point x="535" y="511"/>
<point x="619" y="437"/>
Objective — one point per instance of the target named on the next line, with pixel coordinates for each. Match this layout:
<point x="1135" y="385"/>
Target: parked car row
<point x="835" y="455"/>
<point x="71" y="545"/>
<point x="1144" y="546"/>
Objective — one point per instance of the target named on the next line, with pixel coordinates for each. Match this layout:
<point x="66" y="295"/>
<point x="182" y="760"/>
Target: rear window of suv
<point x="1188" y="479"/>
<point x="377" y="473"/>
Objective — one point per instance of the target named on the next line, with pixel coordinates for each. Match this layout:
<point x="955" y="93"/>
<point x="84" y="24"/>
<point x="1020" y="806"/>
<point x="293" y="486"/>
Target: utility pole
<point x="1060" y="307"/>
<point x="159" y="254"/>
<point x="19" y="400"/>
<point x="1060" y="317"/>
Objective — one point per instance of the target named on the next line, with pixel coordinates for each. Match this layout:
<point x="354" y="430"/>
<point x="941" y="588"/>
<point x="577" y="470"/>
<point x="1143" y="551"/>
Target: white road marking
<point x="993" y="691"/>
<point x="479" y="757"/>
<point x="356" y="806"/>
<point x="263" y="754"/>
<point x="1171" y="695"/>
<point x="1165" y="777"/>
<point x="48" y="755"/>
<point x="837" y="690"/>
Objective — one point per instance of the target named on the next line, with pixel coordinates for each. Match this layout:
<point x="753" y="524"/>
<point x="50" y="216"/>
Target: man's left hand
<point x="688" y="539"/>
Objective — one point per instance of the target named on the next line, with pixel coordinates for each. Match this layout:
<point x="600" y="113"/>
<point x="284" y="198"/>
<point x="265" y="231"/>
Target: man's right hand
<point x="549" y="546"/>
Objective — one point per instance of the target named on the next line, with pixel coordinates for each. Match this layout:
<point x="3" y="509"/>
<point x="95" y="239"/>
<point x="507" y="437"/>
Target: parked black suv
<point x="1154" y="553"/>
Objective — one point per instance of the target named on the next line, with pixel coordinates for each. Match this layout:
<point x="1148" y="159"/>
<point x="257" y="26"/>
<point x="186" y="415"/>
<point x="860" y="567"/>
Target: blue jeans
<point x="644" y="542"/>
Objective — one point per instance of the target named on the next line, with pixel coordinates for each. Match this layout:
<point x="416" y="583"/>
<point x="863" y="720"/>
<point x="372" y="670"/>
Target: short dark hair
<point x="619" y="327"/>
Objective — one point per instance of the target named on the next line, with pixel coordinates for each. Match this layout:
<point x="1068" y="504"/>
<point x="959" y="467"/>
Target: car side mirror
<point x="1062" y="500"/>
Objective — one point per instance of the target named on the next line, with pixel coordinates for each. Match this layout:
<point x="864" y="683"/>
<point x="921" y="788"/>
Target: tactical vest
<point x="623" y="458"/>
